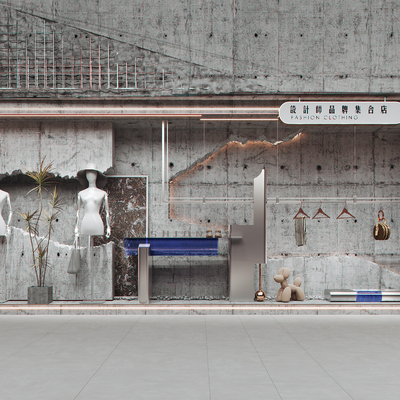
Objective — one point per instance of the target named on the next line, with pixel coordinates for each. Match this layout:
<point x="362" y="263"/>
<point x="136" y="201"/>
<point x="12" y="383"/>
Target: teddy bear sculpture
<point x="287" y="291"/>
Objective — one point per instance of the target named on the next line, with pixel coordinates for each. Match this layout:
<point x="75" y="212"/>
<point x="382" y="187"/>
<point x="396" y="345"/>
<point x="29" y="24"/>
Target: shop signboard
<point x="340" y="113"/>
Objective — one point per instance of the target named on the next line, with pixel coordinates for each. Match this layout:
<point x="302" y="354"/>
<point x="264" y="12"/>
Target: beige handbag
<point x="381" y="229"/>
<point x="75" y="261"/>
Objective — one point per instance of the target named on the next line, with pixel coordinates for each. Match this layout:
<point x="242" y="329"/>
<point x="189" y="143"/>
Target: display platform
<point x="173" y="246"/>
<point x="361" y="295"/>
<point x="200" y="307"/>
<point x="145" y="248"/>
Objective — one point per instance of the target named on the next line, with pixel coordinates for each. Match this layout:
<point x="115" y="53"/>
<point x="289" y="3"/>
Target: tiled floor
<point x="200" y="357"/>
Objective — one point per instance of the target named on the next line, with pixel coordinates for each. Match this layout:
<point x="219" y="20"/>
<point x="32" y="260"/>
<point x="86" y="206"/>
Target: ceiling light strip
<point x="97" y="115"/>
<point x="202" y="110"/>
<point x="239" y="119"/>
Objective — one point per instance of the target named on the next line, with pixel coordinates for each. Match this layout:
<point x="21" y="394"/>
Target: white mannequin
<point x="5" y="228"/>
<point x="91" y="199"/>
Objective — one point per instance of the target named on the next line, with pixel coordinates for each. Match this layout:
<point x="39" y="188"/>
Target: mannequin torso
<point x="4" y="198"/>
<point x="91" y="199"/>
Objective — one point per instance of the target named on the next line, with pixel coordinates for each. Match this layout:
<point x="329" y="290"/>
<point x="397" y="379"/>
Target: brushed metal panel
<point x="344" y="296"/>
<point x="248" y="247"/>
<point x="340" y="295"/>
<point x="388" y="295"/>
<point x="327" y="294"/>
<point x="144" y="274"/>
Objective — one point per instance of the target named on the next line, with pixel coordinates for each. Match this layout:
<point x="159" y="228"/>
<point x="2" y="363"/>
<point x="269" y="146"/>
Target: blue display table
<point x="145" y="248"/>
<point x="173" y="246"/>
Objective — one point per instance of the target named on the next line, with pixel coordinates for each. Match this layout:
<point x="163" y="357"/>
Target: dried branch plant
<point x="42" y="219"/>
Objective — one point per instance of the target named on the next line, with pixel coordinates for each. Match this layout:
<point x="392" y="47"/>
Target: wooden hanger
<point x="320" y="214"/>
<point x="300" y="214"/>
<point x="345" y="214"/>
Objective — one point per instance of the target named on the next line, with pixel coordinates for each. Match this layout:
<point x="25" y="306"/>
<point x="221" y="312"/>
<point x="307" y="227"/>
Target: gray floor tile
<point x="199" y="357"/>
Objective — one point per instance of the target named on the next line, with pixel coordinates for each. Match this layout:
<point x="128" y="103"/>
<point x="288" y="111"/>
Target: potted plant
<point x="41" y="221"/>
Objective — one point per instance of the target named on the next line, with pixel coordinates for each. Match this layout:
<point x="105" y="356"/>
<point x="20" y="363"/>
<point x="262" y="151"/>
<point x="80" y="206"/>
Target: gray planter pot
<point x="40" y="294"/>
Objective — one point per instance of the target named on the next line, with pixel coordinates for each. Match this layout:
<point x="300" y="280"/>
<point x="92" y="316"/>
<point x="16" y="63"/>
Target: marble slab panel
<point x="127" y="203"/>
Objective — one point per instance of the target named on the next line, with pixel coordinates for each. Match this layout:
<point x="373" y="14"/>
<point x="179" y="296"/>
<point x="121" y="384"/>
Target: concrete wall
<point x="221" y="160"/>
<point x="326" y="162"/>
<point x="178" y="49"/>
<point x="334" y="272"/>
<point x="16" y="273"/>
<point x="210" y="47"/>
<point x="22" y="146"/>
<point x="69" y="145"/>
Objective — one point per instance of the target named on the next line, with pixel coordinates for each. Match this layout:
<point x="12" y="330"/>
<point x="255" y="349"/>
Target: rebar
<point x="99" y="68"/>
<point x="90" y="62"/>
<point x="117" y="78"/>
<point x="46" y="70"/>
<point x="62" y="62"/>
<point x="54" y="65"/>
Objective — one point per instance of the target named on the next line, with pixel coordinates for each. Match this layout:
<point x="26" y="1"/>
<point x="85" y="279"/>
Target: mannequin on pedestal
<point x="91" y="200"/>
<point x="5" y="228"/>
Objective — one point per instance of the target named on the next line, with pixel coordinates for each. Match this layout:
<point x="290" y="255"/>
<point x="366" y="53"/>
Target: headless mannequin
<point x="5" y="228"/>
<point x="91" y="199"/>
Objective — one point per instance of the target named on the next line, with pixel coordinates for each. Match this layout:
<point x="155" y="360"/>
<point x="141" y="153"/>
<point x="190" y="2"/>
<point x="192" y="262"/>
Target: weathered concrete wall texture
<point x="16" y="273"/>
<point x="70" y="145"/>
<point x="221" y="160"/>
<point x="326" y="162"/>
<point x="179" y="48"/>
<point x="214" y="47"/>
<point x="190" y="277"/>
<point x="334" y="272"/>
<point x="322" y="162"/>
<point x="22" y="202"/>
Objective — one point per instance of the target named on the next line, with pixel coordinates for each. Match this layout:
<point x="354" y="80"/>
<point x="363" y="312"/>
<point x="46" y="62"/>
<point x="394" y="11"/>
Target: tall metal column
<point x="248" y="246"/>
<point x="144" y="274"/>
